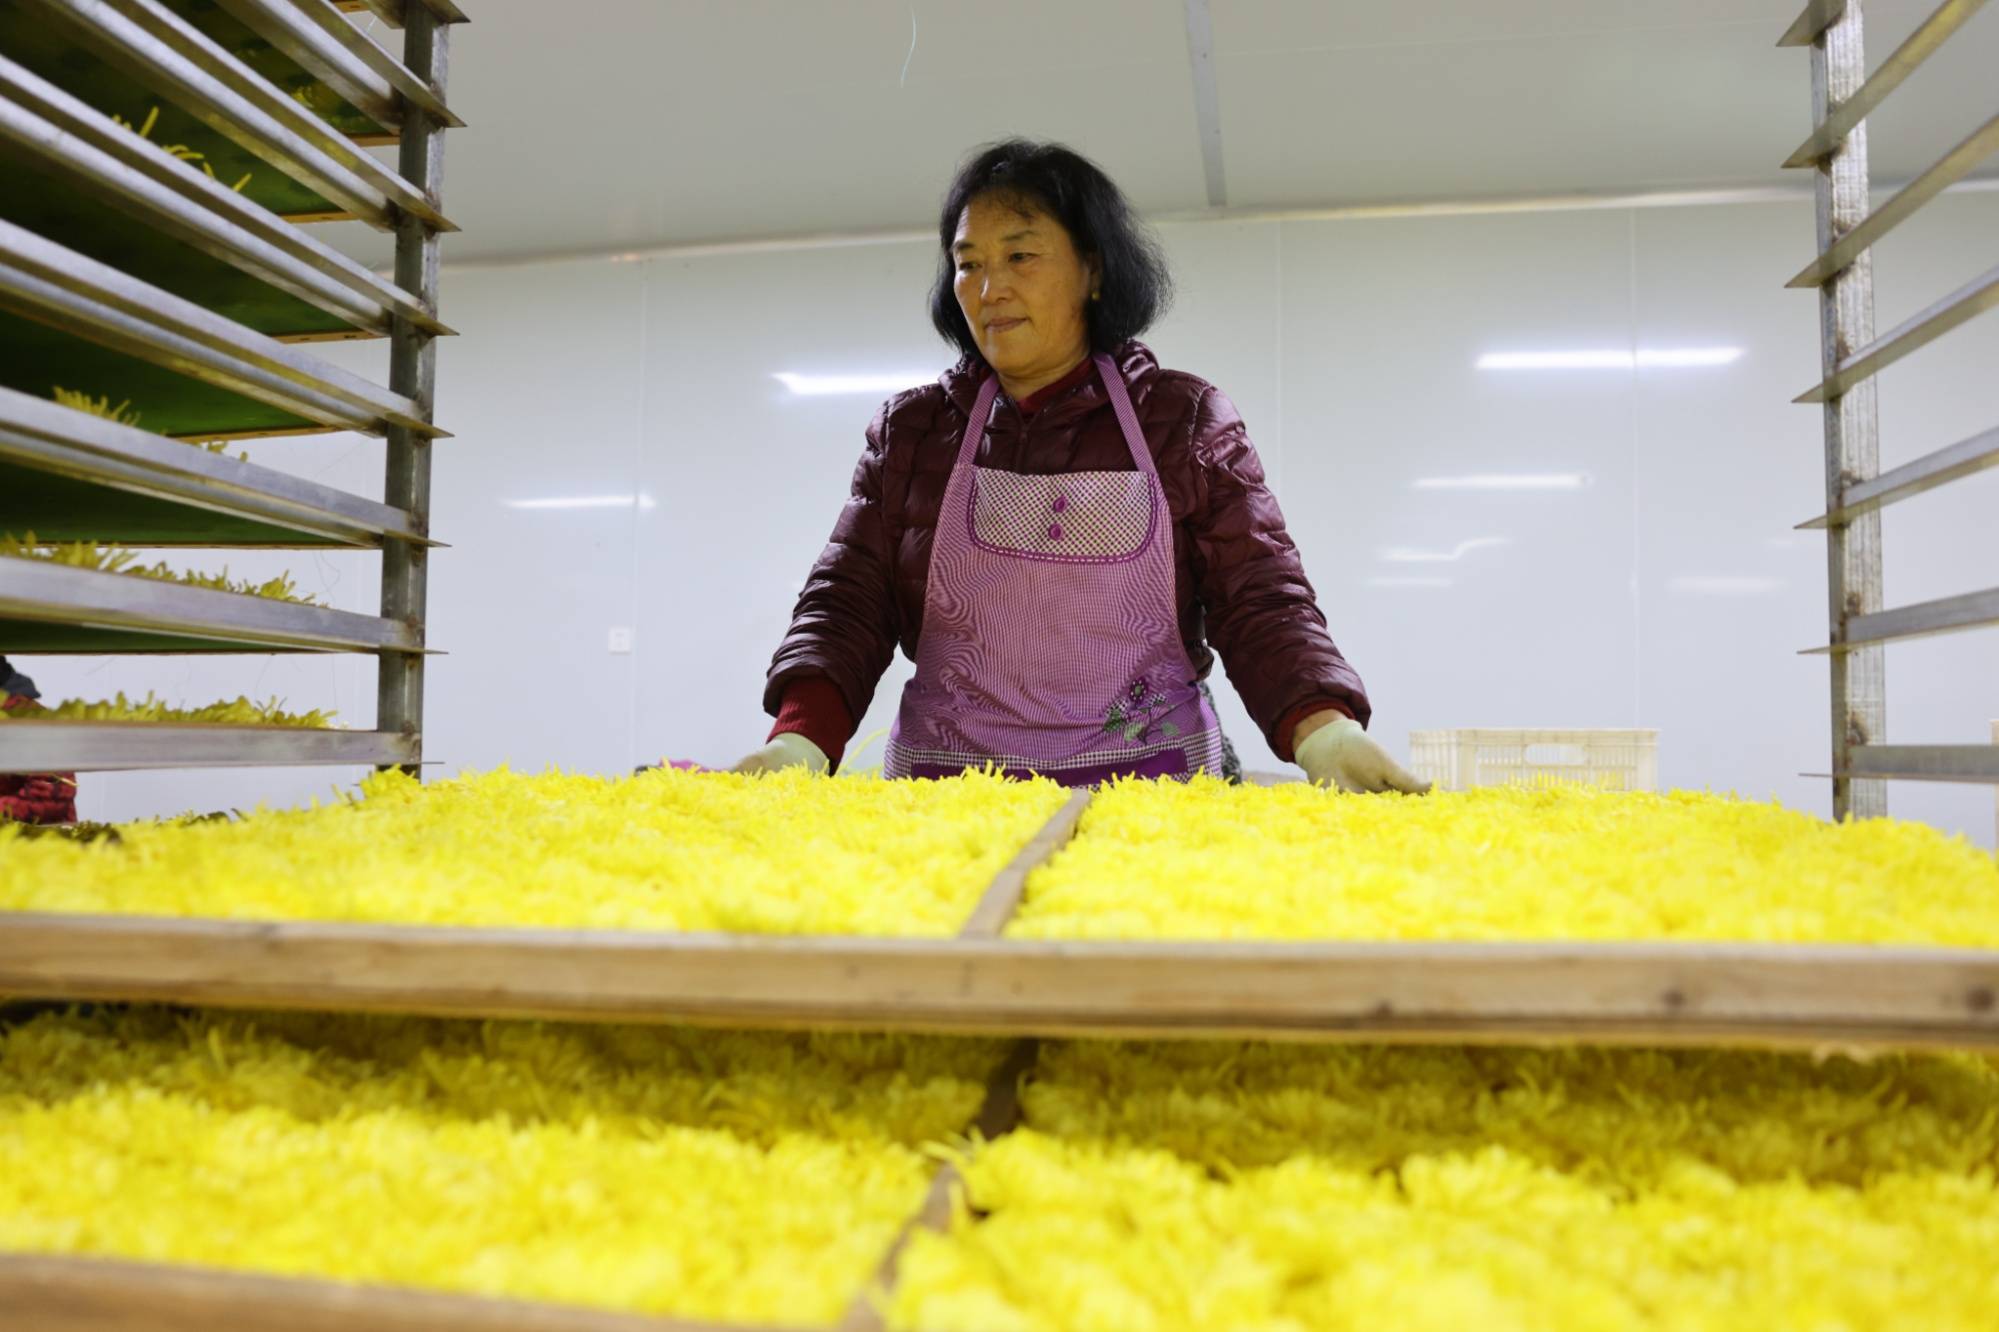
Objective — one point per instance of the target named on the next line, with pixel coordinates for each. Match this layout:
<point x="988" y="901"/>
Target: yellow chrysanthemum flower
<point x="1201" y="1186"/>
<point x="238" y="711"/>
<point x="757" y="1178"/>
<point x="1204" y="860"/>
<point x="118" y="560"/>
<point x="665" y="850"/>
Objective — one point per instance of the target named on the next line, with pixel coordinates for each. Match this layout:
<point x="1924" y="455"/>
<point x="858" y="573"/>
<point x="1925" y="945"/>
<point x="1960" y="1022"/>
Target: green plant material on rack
<point x="68" y="210"/>
<point x="1438" y="1189"/>
<point x="98" y="406"/>
<point x="176" y="150"/>
<point x="276" y="67"/>
<point x="752" y="1177"/>
<point x="115" y="559"/>
<point x="319" y="99"/>
<point x="240" y="711"/>
<point x="66" y="508"/>
<point x="34" y="355"/>
<point x="49" y="50"/>
<point x="122" y="415"/>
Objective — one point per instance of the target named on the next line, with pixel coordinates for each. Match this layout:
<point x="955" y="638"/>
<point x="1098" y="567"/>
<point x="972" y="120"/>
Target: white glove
<point x="1341" y="754"/>
<point x="789" y="750"/>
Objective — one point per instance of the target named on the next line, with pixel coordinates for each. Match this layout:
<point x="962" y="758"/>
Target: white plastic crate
<point x="1459" y="760"/>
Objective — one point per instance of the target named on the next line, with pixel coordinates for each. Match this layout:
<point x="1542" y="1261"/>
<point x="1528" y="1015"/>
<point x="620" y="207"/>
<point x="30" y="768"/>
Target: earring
<point x="1096" y="295"/>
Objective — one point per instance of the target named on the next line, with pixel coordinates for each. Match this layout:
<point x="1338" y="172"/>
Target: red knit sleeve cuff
<point x="813" y="708"/>
<point x="1288" y="728"/>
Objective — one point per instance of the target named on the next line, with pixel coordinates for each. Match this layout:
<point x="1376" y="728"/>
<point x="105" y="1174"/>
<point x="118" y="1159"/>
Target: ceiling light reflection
<point x="1411" y="555"/>
<point x="1506" y="481"/>
<point x="1727" y="585"/>
<point x="642" y="501"/>
<point x="1643" y="358"/>
<point x="818" y="386"/>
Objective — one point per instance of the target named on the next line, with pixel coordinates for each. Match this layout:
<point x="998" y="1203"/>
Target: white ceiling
<point x="612" y="124"/>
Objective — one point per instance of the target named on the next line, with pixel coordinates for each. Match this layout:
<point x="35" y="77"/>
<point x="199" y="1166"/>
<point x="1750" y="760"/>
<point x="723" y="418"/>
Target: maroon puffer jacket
<point x="43" y="797"/>
<point x="1240" y="584"/>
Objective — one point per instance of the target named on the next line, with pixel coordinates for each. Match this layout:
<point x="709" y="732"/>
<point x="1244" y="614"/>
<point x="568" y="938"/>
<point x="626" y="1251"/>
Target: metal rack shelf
<point x="1927" y="763"/>
<point x="146" y="55"/>
<point x="231" y="30"/>
<point x="342" y="58"/>
<point x="70" y="476"/>
<point x="158" y="238"/>
<point x="47" y="607"/>
<point x="1851" y="356"/>
<point x="157" y="262"/>
<point x="391" y="11"/>
<point x="1912" y="334"/>
<point x="1967" y="457"/>
<point x="32" y="35"/>
<point x="1969" y="610"/>
<point x="71" y="298"/>
<point x="1953" y="167"/>
<point x="49" y="746"/>
<point x="227" y="32"/>
<point x="177" y="228"/>
<point x="1818" y="15"/>
<point x="83" y="123"/>
<point x="1841" y="121"/>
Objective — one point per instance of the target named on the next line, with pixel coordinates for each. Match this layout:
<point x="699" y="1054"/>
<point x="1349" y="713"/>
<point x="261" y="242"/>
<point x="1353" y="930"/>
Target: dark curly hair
<point x="1073" y="190"/>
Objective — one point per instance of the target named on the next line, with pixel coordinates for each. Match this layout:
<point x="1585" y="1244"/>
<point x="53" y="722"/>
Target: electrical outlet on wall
<point x="621" y="638"/>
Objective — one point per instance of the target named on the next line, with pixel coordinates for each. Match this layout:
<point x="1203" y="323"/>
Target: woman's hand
<point x="1339" y="753"/>
<point x="789" y="750"/>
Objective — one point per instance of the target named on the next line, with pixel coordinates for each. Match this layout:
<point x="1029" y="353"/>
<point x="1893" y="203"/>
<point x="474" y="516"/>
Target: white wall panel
<point x="1226" y="326"/>
<point x="1465" y="601"/>
<point x="1727" y="466"/>
<point x="750" y="475"/>
<point x="536" y="497"/>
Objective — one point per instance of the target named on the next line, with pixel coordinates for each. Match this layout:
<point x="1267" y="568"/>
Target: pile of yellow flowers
<point x="1257" y="1187"/>
<point x="669" y="850"/>
<point x="116" y="559"/>
<point x="709" y="1175"/>
<point x="1203" y="860"/>
<point x="239" y="711"/>
<point x="760" y="1177"/>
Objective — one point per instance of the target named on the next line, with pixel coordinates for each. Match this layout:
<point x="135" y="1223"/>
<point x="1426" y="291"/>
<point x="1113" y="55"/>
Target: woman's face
<point x="1022" y="286"/>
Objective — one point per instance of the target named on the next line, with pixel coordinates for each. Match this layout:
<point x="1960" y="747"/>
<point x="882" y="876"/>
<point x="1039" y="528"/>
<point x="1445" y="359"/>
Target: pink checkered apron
<point x="1051" y="630"/>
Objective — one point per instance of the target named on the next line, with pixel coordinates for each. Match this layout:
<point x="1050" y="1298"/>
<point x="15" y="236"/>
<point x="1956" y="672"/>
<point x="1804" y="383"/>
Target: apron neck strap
<point x="1127" y="416"/>
<point x="1114" y="388"/>
<point x="975" y="429"/>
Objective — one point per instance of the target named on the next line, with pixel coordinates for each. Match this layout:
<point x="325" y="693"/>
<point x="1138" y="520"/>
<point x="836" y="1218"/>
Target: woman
<point x="1058" y="529"/>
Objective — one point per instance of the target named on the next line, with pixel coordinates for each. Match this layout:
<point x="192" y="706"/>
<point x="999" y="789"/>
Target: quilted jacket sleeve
<point x="844" y="627"/>
<point x="39" y="798"/>
<point x="1262" y="616"/>
<point x="45" y="797"/>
